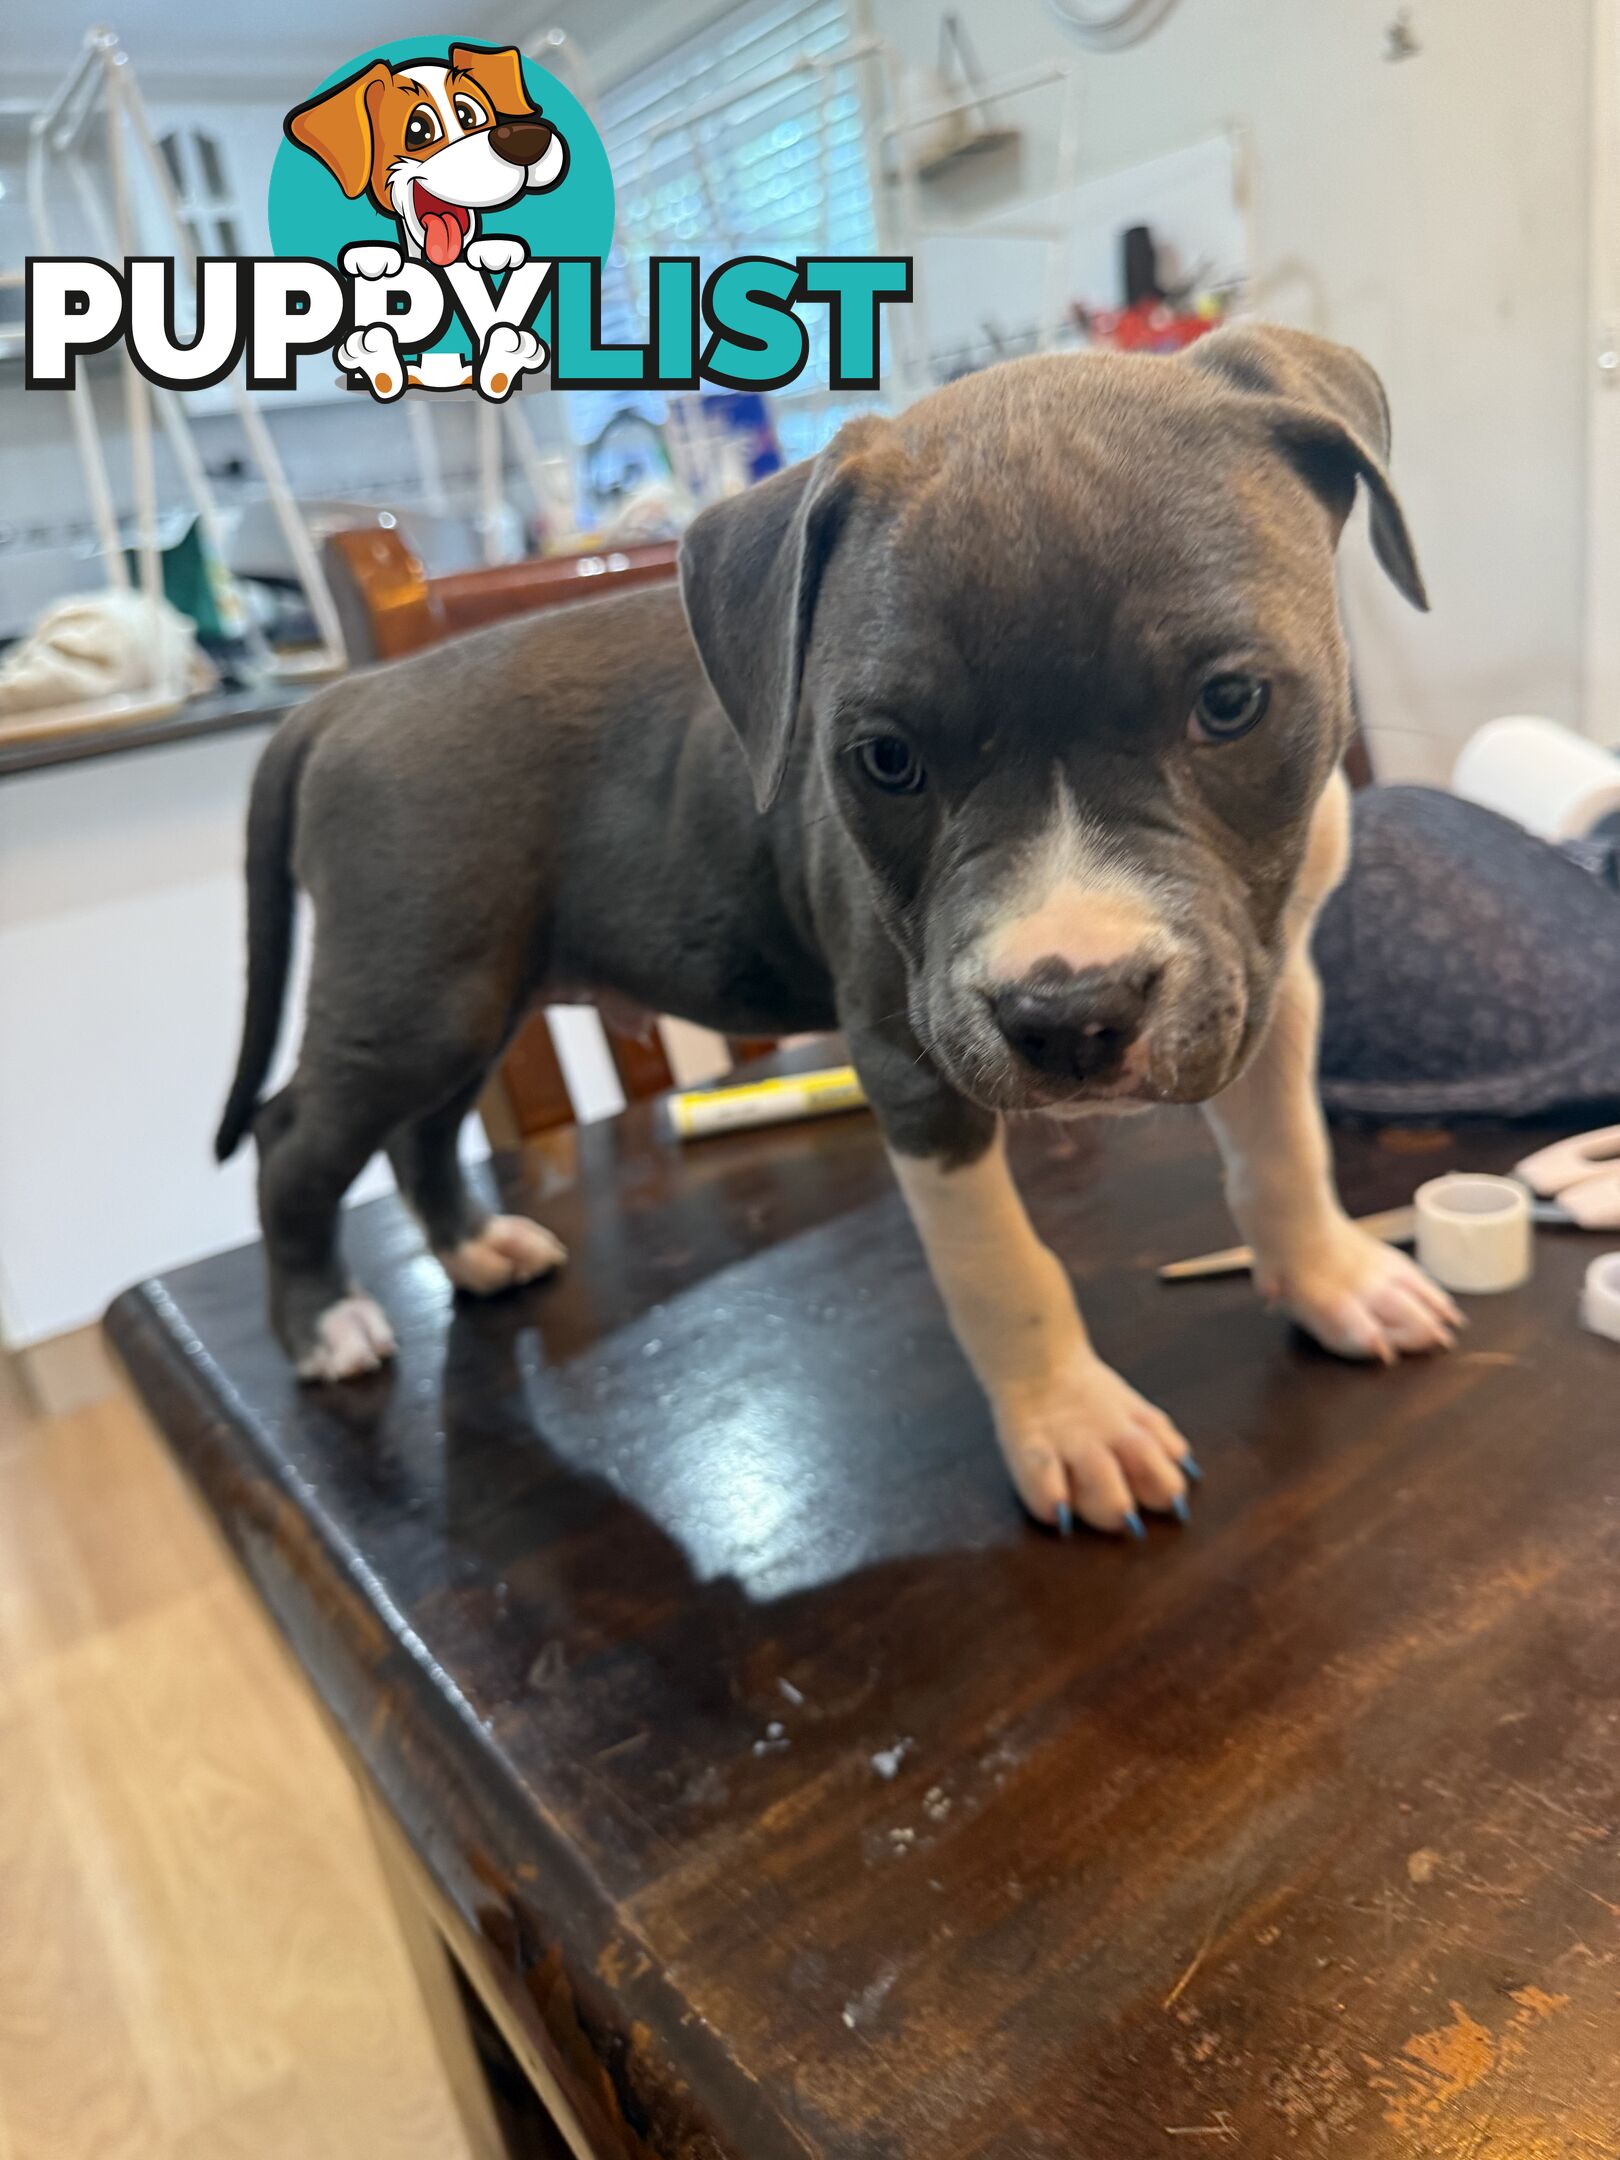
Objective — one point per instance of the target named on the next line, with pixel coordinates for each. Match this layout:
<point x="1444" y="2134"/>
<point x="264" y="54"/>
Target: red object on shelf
<point x="1150" y="326"/>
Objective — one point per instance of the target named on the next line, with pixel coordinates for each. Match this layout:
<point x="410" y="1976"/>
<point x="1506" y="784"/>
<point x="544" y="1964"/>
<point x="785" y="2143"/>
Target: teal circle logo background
<point x="311" y="215"/>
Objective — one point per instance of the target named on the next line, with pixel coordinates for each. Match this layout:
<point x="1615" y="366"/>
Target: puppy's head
<point x="1063" y="638"/>
<point x="433" y="143"/>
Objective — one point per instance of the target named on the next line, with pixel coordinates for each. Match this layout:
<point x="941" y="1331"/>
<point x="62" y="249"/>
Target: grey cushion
<point x="1468" y="968"/>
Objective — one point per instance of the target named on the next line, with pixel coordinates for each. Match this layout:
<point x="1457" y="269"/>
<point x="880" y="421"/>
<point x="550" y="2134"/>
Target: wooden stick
<point x="1396" y="1226"/>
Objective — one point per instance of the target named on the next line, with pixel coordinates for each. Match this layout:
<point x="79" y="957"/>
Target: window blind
<point x="779" y="168"/>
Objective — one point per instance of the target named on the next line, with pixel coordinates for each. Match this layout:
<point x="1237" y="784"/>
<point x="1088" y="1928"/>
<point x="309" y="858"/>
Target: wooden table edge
<point x="173" y="1380"/>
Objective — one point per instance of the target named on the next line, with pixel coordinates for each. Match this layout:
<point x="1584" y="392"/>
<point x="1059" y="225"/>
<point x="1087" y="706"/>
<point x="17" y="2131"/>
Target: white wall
<point x="1432" y="212"/>
<point x="120" y="929"/>
<point x="120" y="1002"/>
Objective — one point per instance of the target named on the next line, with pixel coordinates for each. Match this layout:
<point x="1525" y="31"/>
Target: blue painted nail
<point x="1179" y="1508"/>
<point x="1065" y="1520"/>
<point x="1190" y="1468"/>
<point x="1133" y="1523"/>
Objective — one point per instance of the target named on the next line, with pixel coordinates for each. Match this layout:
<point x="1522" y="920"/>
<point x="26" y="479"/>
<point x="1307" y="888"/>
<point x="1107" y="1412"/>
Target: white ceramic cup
<point x="1474" y="1232"/>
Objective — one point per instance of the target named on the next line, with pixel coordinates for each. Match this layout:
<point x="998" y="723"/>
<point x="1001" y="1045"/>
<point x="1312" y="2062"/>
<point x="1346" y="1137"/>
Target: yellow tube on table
<point x="777" y="1101"/>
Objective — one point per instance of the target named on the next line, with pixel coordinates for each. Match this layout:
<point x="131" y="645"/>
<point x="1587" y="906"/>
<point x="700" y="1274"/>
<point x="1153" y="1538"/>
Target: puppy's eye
<point x="1228" y="706"/>
<point x="421" y="128"/>
<point x="890" y="763"/>
<point x="468" y="113"/>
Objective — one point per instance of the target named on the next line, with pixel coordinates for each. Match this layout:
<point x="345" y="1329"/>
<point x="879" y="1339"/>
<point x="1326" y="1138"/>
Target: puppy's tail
<point x="270" y="821"/>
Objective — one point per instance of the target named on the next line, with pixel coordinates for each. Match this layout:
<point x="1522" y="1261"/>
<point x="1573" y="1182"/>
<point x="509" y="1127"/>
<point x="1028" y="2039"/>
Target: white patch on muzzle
<point x="1073" y="900"/>
<point x="471" y="172"/>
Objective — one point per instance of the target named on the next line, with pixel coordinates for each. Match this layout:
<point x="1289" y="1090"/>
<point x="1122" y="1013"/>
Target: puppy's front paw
<point x="1085" y="1443"/>
<point x="374" y="353"/>
<point x="507" y="355"/>
<point x="351" y="1337"/>
<point x="371" y="259"/>
<point x="1360" y="1298"/>
<point x="510" y="1249"/>
<point x="497" y="252"/>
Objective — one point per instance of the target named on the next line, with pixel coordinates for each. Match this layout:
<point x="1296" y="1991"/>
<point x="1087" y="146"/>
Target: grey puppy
<point x="1004" y="735"/>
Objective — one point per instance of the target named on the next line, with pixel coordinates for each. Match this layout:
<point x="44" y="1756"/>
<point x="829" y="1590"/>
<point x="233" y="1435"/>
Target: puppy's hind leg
<point x="314" y="1139"/>
<point x="480" y="1252"/>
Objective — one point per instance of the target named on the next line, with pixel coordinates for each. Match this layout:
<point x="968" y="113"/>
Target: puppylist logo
<point x="440" y="213"/>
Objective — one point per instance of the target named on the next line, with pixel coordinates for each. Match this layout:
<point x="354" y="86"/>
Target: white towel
<point x="103" y="645"/>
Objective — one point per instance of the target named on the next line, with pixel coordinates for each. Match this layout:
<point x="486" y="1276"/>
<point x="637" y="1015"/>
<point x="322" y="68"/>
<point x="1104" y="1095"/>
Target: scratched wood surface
<point x="807" y="1802"/>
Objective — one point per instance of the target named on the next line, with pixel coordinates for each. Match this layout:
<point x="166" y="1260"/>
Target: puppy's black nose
<point x="1076" y="1026"/>
<point x="520" y="142"/>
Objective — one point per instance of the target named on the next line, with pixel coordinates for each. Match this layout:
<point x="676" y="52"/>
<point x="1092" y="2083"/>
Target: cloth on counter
<point x="102" y="645"/>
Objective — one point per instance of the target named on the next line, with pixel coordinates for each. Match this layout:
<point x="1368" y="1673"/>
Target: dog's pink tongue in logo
<point x="444" y="226"/>
<point x="443" y="237"/>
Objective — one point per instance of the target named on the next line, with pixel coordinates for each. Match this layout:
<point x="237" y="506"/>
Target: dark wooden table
<point x="781" y="1792"/>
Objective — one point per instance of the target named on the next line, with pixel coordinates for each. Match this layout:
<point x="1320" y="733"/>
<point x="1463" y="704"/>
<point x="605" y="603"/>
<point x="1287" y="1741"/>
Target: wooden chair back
<point x="389" y="605"/>
<point x="528" y="1093"/>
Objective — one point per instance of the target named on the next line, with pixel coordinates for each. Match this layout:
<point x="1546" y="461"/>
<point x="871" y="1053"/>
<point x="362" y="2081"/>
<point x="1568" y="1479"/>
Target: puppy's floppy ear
<point x="336" y="127"/>
<point x="750" y="571"/>
<point x="499" y="71"/>
<point x="1329" y="417"/>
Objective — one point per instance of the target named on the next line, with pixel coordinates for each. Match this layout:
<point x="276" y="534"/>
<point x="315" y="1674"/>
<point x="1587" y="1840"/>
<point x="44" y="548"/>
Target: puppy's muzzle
<point x="1077" y="1027"/>
<point x="520" y="142"/>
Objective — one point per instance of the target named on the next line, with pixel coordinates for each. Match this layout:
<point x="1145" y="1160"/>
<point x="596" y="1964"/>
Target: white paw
<point x="374" y="353"/>
<point x="509" y="1249"/>
<point x="1361" y="1298"/>
<point x="497" y="252"/>
<point x="1085" y="1443"/>
<point x="371" y="259"/>
<point x="351" y="1337"/>
<point x="507" y="354"/>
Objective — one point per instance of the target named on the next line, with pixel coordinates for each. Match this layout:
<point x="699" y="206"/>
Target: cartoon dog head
<point x="432" y="143"/>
